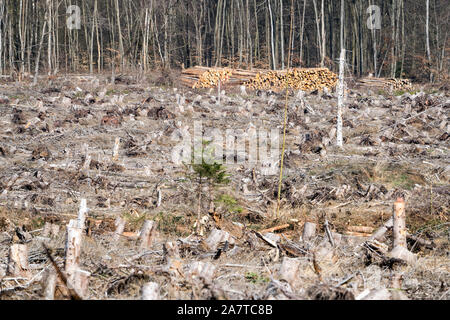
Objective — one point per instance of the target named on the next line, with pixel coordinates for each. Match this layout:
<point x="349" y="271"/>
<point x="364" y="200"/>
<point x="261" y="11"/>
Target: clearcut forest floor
<point x="395" y="145"/>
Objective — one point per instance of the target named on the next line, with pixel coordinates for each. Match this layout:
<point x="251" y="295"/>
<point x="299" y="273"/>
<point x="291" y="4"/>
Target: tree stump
<point x="400" y="250"/>
<point x="309" y="231"/>
<point x="202" y="271"/>
<point x="289" y="270"/>
<point x="151" y="291"/>
<point x="79" y="281"/>
<point x="73" y="246"/>
<point x="216" y="237"/>
<point x="82" y="214"/>
<point x="147" y="234"/>
<point x="49" y="284"/>
<point x="18" y="261"/>
<point x="120" y="226"/>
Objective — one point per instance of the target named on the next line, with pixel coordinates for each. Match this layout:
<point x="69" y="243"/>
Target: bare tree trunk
<point x="36" y="68"/>
<point x="340" y="98"/>
<point x="274" y="64"/>
<point x="427" y="31"/>
<point x="121" y="50"/>
<point x="282" y="34"/>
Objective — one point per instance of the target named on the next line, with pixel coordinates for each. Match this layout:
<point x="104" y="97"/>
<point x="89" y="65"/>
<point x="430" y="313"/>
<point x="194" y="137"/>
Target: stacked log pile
<point x="391" y="84"/>
<point x="306" y="79"/>
<point x="310" y="79"/>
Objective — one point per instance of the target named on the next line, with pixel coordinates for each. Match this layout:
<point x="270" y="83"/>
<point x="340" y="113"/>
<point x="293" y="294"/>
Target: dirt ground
<point x="396" y="144"/>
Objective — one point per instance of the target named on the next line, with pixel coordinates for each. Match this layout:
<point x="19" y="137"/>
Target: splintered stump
<point x="82" y="214"/>
<point x="309" y="231"/>
<point x="147" y="234"/>
<point x="18" y="261"/>
<point x="77" y="279"/>
<point x="151" y="291"/>
<point x="400" y="250"/>
<point x="73" y="246"/>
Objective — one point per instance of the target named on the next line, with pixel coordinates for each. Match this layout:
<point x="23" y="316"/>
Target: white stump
<point x="120" y="226"/>
<point x="147" y="234"/>
<point x="73" y="246"/>
<point x="289" y="270"/>
<point x="309" y="231"/>
<point x="151" y="291"/>
<point x="18" y="261"/>
<point x="400" y="250"/>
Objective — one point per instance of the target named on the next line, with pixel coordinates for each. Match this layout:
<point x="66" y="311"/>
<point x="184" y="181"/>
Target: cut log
<point x="309" y="231"/>
<point x="147" y="234"/>
<point x="277" y="228"/>
<point x="377" y="235"/>
<point x="151" y="291"/>
<point x="360" y="229"/>
<point x="18" y="261"/>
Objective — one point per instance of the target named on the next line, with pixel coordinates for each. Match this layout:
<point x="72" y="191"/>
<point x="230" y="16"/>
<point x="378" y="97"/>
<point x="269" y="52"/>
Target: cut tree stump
<point x="400" y="250"/>
<point x="171" y="249"/>
<point x="151" y="291"/>
<point x="377" y="235"/>
<point x="78" y="280"/>
<point x="216" y="238"/>
<point x="289" y="270"/>
<point x="49" y="284"/>
<point x="73" y="246"/>
<point x="82" y="214"/>
<point x="309" y="231"/>
<point x="147" y="234"/>
<point x="200" y="270"/>
<point x="376" y="294"/>
<point x="120" y="226"/>
<point x="18" y="261"/>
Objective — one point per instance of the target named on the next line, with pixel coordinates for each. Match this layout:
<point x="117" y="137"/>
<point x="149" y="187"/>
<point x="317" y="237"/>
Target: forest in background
<point x="142" y="35"/>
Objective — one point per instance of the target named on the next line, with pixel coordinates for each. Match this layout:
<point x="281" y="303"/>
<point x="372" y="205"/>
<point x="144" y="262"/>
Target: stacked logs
<point x="298" y="79"/>
<point x="306" y="79"/>
<point x="201" y="77"/>
<point x="390" y="84"/>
